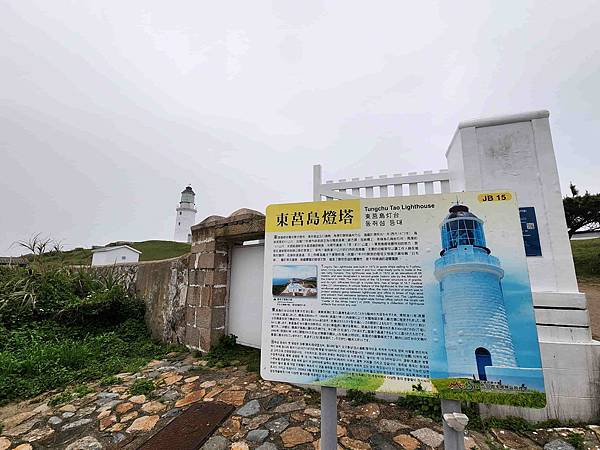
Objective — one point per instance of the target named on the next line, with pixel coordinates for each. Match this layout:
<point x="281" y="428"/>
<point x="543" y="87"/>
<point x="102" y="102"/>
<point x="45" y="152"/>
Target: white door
<point x="245" y="294"/>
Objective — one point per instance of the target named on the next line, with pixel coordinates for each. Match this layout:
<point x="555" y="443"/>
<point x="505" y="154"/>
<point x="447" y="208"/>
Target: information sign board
<point x="425" y="295"/>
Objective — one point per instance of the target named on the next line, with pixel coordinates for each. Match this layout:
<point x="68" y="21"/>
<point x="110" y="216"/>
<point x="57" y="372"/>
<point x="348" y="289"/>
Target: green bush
<point x="576" y="440"/>
<point x="227" y="352"/>
<point x="65" y="295"/>
<point x="424" y="406"/>
<point x="143" y="386"/>
<point x="60" y="326"/>
<point x="359" y="397"/>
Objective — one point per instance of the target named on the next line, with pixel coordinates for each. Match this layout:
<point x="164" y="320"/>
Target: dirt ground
<point x="592" y="293"/>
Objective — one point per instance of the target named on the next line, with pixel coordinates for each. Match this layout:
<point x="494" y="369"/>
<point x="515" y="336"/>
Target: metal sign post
<point x="328" y="394"/>
<point x="328" y="418"/>
<point x="453" y="438"/>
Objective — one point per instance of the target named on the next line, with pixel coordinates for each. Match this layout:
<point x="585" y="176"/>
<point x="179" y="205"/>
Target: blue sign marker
<point x="531" y="236"/>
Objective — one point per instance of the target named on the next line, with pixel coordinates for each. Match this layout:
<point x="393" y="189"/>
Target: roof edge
<point x="105" y="249"/>
<point x="501" y="120"/>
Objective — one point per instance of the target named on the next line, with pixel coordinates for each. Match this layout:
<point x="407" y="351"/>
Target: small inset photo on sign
<point x="295" y="281"/>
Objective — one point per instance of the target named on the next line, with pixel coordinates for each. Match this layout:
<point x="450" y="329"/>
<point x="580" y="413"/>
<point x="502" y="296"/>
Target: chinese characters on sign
<point x="401" y="294"/>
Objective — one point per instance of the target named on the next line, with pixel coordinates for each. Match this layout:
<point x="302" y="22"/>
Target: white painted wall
<point x="516" y="152"/>
<point x="245" y="294"/>
<point x="114" y="255"/>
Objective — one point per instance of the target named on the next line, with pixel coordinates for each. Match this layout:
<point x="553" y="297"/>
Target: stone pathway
<point x="269" y="416"/>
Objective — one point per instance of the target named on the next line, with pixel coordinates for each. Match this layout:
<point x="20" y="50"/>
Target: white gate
<point x="245" y="294"/>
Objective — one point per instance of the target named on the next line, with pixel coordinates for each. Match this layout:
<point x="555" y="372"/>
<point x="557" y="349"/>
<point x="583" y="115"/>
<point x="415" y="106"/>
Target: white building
<point x="119" y="254"/>
<point x="185" y="216"/>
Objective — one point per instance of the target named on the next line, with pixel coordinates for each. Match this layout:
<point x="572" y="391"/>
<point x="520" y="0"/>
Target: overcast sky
<point x="109" y="109"/>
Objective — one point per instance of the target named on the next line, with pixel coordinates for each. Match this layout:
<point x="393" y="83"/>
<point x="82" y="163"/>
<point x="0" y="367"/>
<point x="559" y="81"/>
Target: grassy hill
<point x="586" y="254"/>
<point x="151" y="251"/>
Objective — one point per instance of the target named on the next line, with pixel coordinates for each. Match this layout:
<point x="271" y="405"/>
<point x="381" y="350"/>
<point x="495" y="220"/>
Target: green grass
<point x="586" y="255"/>
<point x="355" y="381"/>
<point x="151" y="251"/>
<point x="528" y="399"/>
<point x="142" y="386"/>
<point x="68" y="395"/>
<point x="36" y="358"/>
<point x="157" y="250"/>
<point x="228" y="353"/>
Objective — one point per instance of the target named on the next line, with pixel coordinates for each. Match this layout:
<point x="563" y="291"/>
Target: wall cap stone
<point x="239" y="216"/>
<point x="501" y="120"/>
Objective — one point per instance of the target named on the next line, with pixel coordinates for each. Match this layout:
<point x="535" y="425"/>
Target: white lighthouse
<point x="186" y="216"/>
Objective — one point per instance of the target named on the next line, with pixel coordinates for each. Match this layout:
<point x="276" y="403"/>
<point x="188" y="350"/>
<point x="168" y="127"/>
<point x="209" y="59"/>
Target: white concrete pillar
<point x="516" y="153"/>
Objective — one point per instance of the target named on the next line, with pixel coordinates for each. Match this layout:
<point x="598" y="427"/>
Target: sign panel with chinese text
<point x="423" y="295"/>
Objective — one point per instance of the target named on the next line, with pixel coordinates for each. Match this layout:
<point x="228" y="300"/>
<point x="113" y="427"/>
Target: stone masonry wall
<point x="187" y="297"/>
<point x="163" y="286"/>
<point x="209" y="268"/>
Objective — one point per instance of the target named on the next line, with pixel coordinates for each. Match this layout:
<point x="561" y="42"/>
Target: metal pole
<point x="453" y="440"/>
<point x="328" y="418"/>
<point x="328" y="394"/>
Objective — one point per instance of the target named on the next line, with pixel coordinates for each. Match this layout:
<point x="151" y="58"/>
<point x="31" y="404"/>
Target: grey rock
<point x="117" y="437"/>
<point x="257" y="436"/>
<point x="390" y="426"/>
<point x="184" y="369"/>
<point x="77" y="423"/>
<point x="381" y="443"/>
<point x="67" y="415"/>
<point x="153" y="374"/>
<point x="54" y="420"/>
<point x="170" y="395"/>
<point x="166" y="368"/>
<point x="109" y="404"/>
<point x="277" y="426"/>
<point x="428" y="437"/>
<point x="289" y="407"/>
<point x="249" y="409"/>
<point x="85" y="443"/>
<point x="267" y="446"/>
<point x="274" y="401"/>
<point x="86" y="411"/>
<point x="110" y="395"/>
<point x="172" y="412"/>
<point x="558" y="444"/>
<point x="216" y="443"/>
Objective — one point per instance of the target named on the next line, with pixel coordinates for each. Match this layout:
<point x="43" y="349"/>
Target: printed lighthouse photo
<point x="479" y="339"/>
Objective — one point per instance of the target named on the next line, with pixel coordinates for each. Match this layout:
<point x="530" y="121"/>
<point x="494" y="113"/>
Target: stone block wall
<point x="164" y="286"/>
<point x="209" y="267"/>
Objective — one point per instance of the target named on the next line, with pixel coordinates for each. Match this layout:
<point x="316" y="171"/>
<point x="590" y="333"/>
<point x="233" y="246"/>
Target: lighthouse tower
<point x="186" y="216"/>
<point x="475" y="324"/>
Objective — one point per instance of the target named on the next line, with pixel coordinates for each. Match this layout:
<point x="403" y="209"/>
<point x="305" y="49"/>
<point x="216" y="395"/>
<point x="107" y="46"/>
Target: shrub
<point x="60" y="326"/>
<point x="142" y="386"/>
<point x="425" y="406"/>
<point x="109" y="380"/>
<point x="576" y="440"/>
<point x="359" y="397"/>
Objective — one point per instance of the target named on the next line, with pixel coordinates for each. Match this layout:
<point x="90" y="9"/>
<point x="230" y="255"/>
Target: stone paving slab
<point x="266" y="416"/>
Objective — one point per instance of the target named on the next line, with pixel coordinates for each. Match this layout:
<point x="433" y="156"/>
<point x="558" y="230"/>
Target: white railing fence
<point x="397" y="185"/>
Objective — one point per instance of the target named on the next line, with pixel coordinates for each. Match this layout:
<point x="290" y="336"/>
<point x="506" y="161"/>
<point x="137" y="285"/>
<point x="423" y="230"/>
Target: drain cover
<point x="191" y="429"/>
